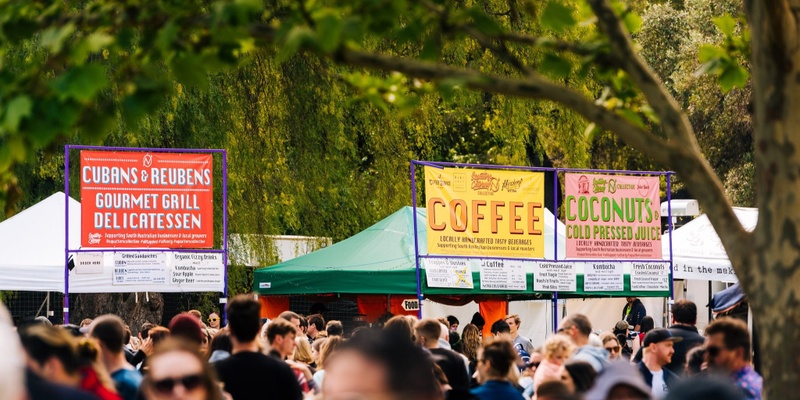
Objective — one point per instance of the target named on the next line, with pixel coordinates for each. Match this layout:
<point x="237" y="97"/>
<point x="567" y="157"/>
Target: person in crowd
<point x="427" y="332"/>
<point x="126" y="344"/>
<point x="108" y="331"/>
<point x="281" y="335"/>
<point x="302" y="353"/>
<point x="248" y="374"/>
<point x="316" y="324"/>
<point x="633" y="312"/>
<point x="556" y="350"/>
<point x="500" y="329"/>
<point x="514" y="322"/>
<point x="178" y="372"/>
<point x="527" y="374"/>
<point x="695" y="361"/>
<point x="470" y="344"/>
<point x="220" y="347"/>
<point x="728" y="349"/>
<point x="187" y="327"/>
<point x="316" y="348"/>
<point x="303" y="328"/>
<point x="85" y="322"/>
<point x="495" y="361"/>
<point x="647" y="325"/>
<point x="291" y="317"/>
<point x="401" y="327"/>
<point x="334" y="328"/>
<point x="612" y="346"/>
<point x="326" y="350"/>
<point x="622" y="331"/>
<point x="214" y="321"/>
<point x="146" y="346"/>
<point x="208" y="335"/>
<point x="55" y="355"/>
<point x="657" y="353"/>
<point x="578" y="328"/>
<point x="12" y="369"/>
<point x="455" y="341"/>
<point x="478" y="321"/>
<point x="684" y="318"/>
<point x="197" y="314"/>
<point x="705" y="388"/>
<point x="452" y="323"/>
<point x="378" y="366"/>
<point x="619" y="381"/>
<point x="157" y="335"/>
<point x="444" y="335"/>
<point x="579" y="376"/>
<point x="555" y="390"/>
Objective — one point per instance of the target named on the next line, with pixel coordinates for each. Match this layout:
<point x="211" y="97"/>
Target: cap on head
<point x="660" y="335"/>
<point x="622" y="325"/>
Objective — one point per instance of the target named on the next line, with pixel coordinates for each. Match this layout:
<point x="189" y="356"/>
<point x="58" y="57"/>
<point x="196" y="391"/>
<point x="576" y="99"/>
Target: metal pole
<point x="555" y="215"/>
<point x="66" y="234"/>
<point x="555" y="312"/>
<point x="224" y="300"/>
<point x="416" y="239"/>
<point x="670" y="227"/>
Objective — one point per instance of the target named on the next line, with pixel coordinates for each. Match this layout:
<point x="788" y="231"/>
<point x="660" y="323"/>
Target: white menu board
<point x="448" y="272"/>
<point x="136" y="268"/>
<point x="194" y="269"/>
<point x="502" y="275"/>
<point x="603" y="277"/>
<point x="554" y="277"/>
<point x="649" y="276"/>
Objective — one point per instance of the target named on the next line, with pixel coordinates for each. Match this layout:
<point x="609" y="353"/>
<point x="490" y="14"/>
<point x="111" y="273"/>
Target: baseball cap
<point x="622" y="325"/>
<point x="659" y="335"/>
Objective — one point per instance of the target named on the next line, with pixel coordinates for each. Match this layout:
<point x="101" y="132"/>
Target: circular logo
<point x="148" y="160"/>
<point x="643" y="187"/>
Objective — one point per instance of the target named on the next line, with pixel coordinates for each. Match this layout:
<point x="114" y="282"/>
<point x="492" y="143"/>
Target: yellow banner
<point x="479" y="212"/>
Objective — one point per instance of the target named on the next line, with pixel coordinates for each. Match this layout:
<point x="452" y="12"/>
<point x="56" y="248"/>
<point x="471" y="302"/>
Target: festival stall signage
<point x="502" y="275"/>
<point x="603" y="277"/>
<point x="612" y="217"/>
<point x="649" y="276"/>
<point x="449" y="272"/>
<point x="479" y="212"/>
<point x="197" y="269"/>
<point x="139" y="268"/>
<point x="136" y="199"/>
<point x="555" y="277"/>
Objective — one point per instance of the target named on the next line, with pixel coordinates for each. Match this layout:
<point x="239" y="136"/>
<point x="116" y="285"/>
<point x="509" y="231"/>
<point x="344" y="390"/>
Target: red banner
<point x="162" y="200"/>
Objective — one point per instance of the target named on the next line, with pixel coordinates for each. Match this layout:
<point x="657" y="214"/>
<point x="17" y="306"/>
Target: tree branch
<point x="551" y="43"/>
<point x="531" y="88"/>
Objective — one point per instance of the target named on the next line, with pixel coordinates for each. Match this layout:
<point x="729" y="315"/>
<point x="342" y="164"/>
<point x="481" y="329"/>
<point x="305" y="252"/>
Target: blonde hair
<point x="607" y="337"/>
<point x="557" y="344"/>
<point x="302" y="352"/>
<point x="328" y="348"/>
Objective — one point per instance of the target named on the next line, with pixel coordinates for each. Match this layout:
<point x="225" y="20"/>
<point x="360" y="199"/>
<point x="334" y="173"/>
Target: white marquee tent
<point x="32" y="248"/>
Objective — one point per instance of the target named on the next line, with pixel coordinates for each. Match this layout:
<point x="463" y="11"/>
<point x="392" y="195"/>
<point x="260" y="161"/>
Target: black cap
<point x="659" y="335"/>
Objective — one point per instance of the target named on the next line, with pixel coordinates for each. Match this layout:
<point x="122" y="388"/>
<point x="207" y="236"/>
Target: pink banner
<point x="612" y="217"/>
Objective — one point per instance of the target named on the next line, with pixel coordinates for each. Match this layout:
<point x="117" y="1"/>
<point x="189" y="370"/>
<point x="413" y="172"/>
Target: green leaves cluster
<point x="726" y="61"/>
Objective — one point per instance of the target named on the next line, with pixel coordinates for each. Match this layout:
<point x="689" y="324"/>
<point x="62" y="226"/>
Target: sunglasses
<point x="189" y="382"/>
<point x="213" y="319"/>
<point x="614" y="349"/>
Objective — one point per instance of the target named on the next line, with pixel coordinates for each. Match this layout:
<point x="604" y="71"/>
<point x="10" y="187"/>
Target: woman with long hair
<point x="470" y="344"/>
<point x="328" y="348"/>
<point x="302" y="352"/>
<point x="177" y="370"/>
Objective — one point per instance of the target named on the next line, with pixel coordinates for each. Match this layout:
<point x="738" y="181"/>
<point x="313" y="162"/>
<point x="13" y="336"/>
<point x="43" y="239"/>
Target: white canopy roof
<point x="32" y="248"/>
<point x="698" y="252"/>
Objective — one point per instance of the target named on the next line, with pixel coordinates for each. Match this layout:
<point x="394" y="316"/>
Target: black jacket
<point x="669" y="377"/>
<point x="691" y="339"/>
<point x="637" y="313"/>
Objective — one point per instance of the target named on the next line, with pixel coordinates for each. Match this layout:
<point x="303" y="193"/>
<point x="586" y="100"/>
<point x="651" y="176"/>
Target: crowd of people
<point x="402" y="357"/>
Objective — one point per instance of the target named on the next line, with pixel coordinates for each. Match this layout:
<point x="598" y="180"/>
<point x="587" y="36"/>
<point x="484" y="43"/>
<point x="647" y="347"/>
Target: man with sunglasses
<point x="728" y="352"/>
<point x="684" y="318"/>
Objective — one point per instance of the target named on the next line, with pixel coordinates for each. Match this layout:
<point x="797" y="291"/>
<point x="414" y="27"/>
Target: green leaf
<point x="708" y="53"/>
<point x="295" y="38"/>
<point x="591" y="132"/>
<point x="557" y="17"/>
<point x="555" y="66"/>
<point x="431" y="48"/>
<point x="726" y="24"/>
<point x="483" y="22"/>
<point x="17" y="109"/>
<point x="632" y="21"/>
<point x="92" y="44"/>
<point x="329" y="32"/>
<point x="734" y="76"/>
<point x="81" y="83"/>
<point x="53" y="38"/>
<point x="190" y="71"/>
<point x="632" y="116"/>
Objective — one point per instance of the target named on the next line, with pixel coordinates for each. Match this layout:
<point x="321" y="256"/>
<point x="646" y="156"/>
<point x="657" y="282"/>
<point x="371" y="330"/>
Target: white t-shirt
<point x="659" y="386"/>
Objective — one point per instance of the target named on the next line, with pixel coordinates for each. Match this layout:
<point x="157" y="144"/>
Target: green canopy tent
<point x="380" y="260"/>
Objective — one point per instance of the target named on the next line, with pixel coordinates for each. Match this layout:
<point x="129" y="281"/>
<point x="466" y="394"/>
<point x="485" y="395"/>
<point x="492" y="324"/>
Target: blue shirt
<point x="127" y="382"/>
<point x="497" y="390"/>
<point x="750" y="382"/>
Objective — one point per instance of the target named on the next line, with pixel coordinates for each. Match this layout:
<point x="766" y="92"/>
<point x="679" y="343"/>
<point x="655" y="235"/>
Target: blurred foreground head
<point x="12" y="368"/>
<point x="378" y="366"/>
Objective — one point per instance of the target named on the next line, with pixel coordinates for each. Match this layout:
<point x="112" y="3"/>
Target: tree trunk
<point x="771" y="275"/>
<point x="125" y="305"/>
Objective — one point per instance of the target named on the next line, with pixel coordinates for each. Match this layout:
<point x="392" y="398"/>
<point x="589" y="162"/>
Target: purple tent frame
<point x="223" y="251"/>
<point x="555" y="171"/>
